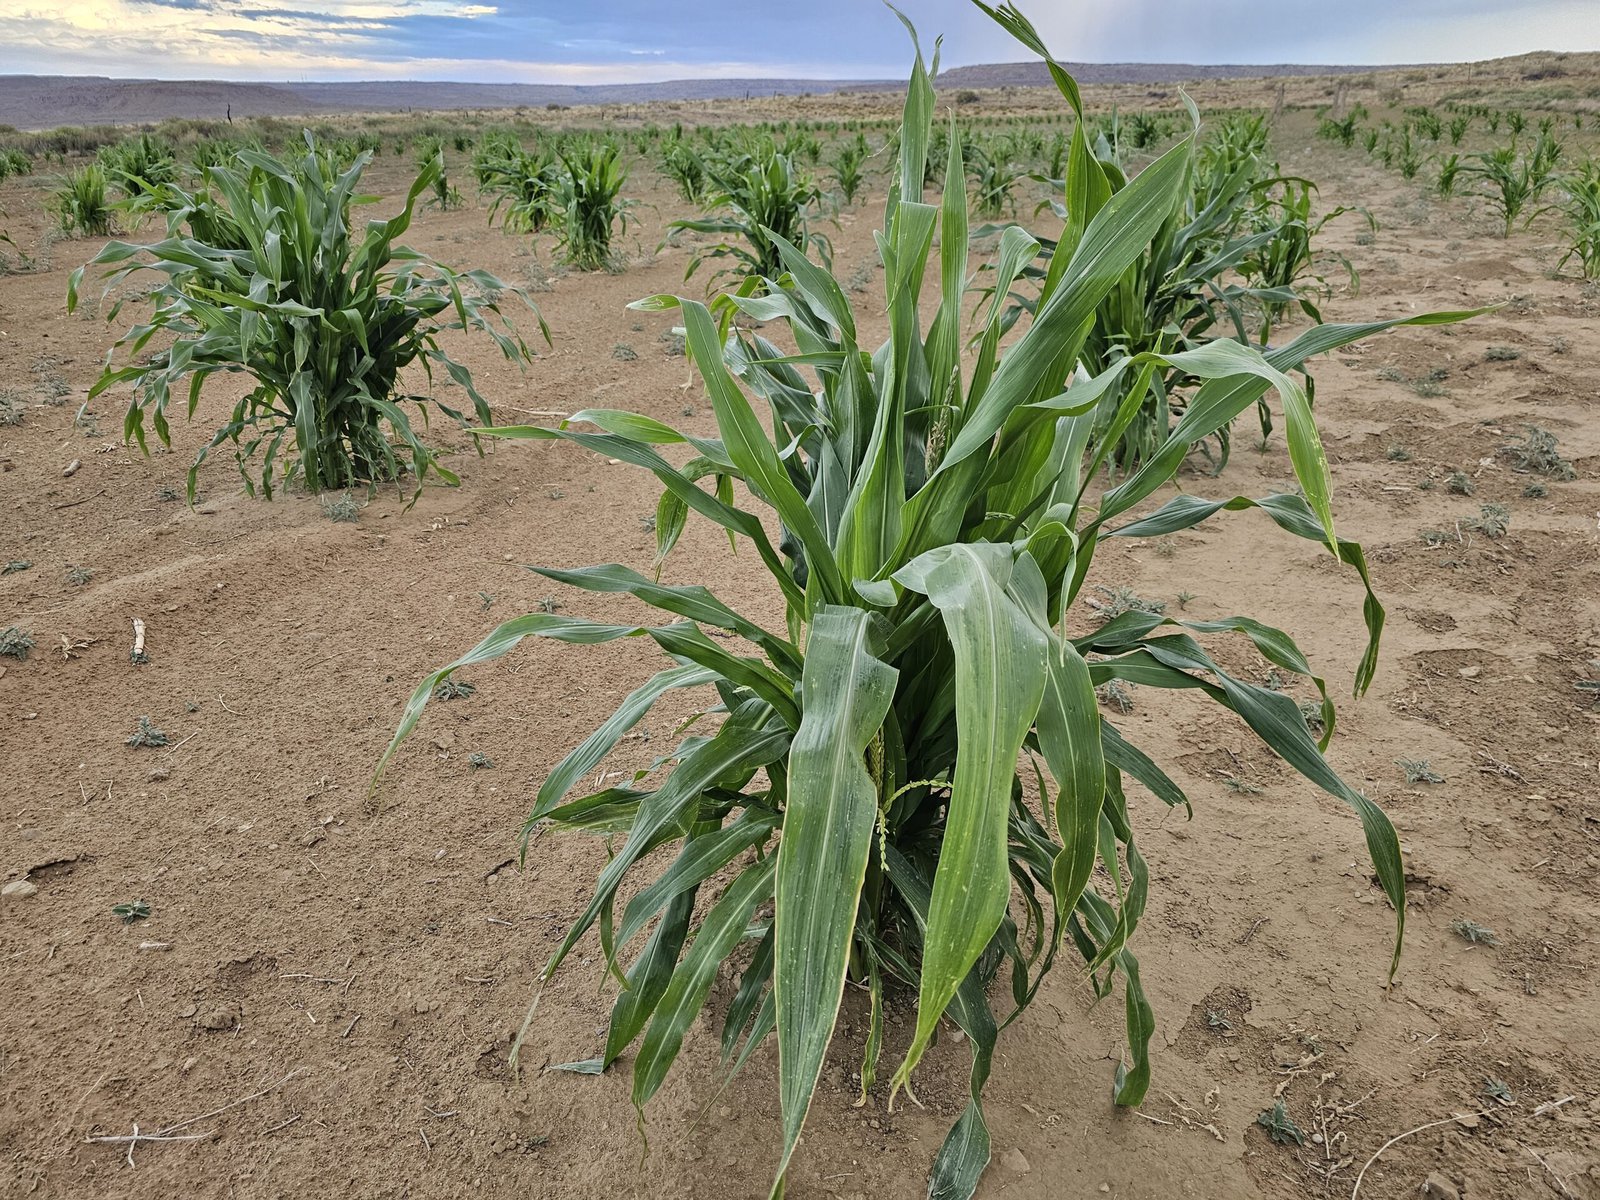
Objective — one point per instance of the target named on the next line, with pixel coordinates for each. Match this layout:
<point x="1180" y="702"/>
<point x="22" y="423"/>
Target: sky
<point x="615" y="41"/>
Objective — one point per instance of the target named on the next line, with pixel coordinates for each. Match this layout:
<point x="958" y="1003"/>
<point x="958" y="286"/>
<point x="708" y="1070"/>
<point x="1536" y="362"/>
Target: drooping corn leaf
<point x="822" y="859"/>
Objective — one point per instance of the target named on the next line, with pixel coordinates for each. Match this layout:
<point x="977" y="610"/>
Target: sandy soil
<point x="338" y="979"/>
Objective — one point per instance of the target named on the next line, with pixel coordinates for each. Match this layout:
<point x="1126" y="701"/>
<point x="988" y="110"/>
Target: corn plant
<point x="1516" y="182"/>
<point x="1141" y="130"/>
<point x="921" y="737"/>
<point x="1547" y="151"/>
<point x="1458" y="128"/>
<point x="445" y="195"/>
<point x="15" y="162"/>
<point x="847" y="167"/>
<point x="1185" y="285"/>
<point x="262" y="274"/>
<point x="1239" y="141"/>
<point x="527" y="183"/>
<point x="1449" y="171"/>
<point x="993" y="180"/>
<point x="81" y="203"/>
<point x="592" y="208"/>
<point x="139" y="164"/>
<point x="1583" y="219"/>
<point x="761" y="197"/>
<point x="218" y="151"/>
<point x="1341" y="131"/>
<point x="681" y="164"/>
<point x="1055" y="166"/>
<point x="1408" y="155"/>
<point x="1282" y="270"/>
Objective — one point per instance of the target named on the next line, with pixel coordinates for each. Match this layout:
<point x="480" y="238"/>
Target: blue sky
<point x="602" y="41"/>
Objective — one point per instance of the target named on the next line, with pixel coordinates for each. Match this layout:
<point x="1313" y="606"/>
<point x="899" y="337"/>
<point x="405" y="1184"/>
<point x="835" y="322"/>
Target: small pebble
<point x="1015" y="1161"/>
<point x="19" y="889"/>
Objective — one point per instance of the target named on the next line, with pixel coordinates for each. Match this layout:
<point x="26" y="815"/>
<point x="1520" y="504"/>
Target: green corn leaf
<point x="585" y="757"/>
<point x="749" y="448"/>
<point x="648" y="978"/>
<point x="504" y="639"/>
<point x="691" y="982"/>
<point x="999" y="680"/>
<point x="822" y="859"/>
<point x="1070" y="737"/>
<point x="733" y="751"/>
<point x="702" y="857"/>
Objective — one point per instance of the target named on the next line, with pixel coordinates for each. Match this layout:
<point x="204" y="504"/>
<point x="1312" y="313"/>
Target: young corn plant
<point x="1186" y="284"/>
<point x="687" y="170"/>
<point x="847" y="168"/>
<point x="1408" y="155"/>
<point x="994" y="178"/>
<point x="445" y="195"/>
<point x="591" y="204"/>
<point x="1583" y="219"/>
<point x="262" y="274"/>
<point x="1283" y="270"/>
<point x="82" y="204"/>
<point x="1342" y="131"/>
<point x="139" y="164"/>
<point x="761" y="198"/>
<point x="527" y="183"/>
<point x="910" y="784"/>
<point x="1515" y="182"/>
<point x="1449" y="171"/>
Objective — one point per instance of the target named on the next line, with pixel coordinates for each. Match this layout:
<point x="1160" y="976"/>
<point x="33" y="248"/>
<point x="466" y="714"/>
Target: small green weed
<point x="344" y="510"/>
<point x="1280" y="1126"/>
<point x="1418" y="770"/>
<point x="1492" y="520"/>
<point x="147" y="735"/>
<point x="1471" y="931"/>
<point x="1498" y="1090"/>
<point x="1119" y="600"/>
<point x="1535" y="452"/>
<point x="131" y="911"/>
<point x="1117" y="694"/>
<point x="15" y="643"/>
